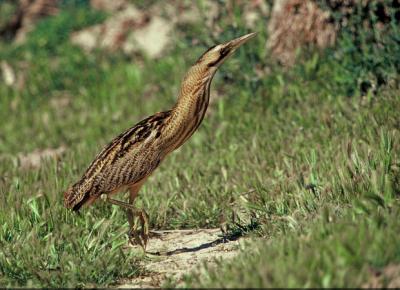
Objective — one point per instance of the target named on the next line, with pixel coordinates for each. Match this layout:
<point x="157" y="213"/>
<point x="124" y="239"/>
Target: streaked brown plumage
<point x="132" y="156"/>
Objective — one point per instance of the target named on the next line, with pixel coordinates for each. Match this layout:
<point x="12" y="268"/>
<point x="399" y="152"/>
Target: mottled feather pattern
<point x="111" y="168"/>
<point x="131" y="157"/>
<point x="137" y="152"/>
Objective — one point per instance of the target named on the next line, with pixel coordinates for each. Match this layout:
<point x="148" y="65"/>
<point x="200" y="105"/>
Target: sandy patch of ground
<point x="171" y="254"/>
<point x="387" y="277"/>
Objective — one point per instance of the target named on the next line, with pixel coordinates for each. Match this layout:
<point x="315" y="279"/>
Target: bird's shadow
<point x="230" y="236"/>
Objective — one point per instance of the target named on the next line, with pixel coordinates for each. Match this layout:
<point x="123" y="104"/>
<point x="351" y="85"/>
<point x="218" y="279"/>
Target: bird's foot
<point x="136" y="236"/>
<point x="140" y="236"/>
<point x="224" y="227"/>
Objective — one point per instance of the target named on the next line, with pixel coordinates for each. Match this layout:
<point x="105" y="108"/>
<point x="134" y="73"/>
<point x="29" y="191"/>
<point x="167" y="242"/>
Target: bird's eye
<point x="225" y="51"/>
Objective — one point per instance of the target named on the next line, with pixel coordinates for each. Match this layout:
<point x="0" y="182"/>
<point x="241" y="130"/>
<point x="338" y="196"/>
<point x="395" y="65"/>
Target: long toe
<point x="144" y="239"/>
<point x="134" y="236"/>
<point x="140" y="236"/>
<point x="145" y="229"/>
<point x="137" y="238"/>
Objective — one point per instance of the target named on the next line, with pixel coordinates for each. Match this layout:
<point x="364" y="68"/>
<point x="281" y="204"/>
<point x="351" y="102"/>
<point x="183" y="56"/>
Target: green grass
<point x="328" y="252"/>
<point x="320" y="151"/>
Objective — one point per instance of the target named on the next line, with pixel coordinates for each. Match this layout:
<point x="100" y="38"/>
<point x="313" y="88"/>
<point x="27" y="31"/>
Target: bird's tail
<point x="74" y="198"/>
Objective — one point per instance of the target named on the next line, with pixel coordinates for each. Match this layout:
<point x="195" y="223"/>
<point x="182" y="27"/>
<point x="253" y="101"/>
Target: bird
<point x="131" y="157"/>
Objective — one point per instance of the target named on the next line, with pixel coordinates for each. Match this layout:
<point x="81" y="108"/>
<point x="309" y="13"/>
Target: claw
<point x="140" y="237"/>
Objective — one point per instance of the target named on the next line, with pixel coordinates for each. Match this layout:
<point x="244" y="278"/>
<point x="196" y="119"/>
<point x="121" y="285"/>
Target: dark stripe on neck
<point x="201" y="108"/>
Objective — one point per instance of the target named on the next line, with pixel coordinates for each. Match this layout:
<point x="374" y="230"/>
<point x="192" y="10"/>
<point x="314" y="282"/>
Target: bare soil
<point x="173" y="253"/>
<point x="387" y="277"/>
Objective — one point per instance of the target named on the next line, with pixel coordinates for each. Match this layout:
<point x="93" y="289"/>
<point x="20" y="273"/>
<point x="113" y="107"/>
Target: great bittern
<point x="132" y="157"/>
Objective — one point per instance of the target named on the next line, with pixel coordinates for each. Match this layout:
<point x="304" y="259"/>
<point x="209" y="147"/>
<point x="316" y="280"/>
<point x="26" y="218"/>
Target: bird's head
<point x="216" y="55"/>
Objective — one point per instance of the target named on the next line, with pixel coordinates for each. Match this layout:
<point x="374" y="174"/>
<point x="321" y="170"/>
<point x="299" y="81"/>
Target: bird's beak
<point x="234" y="44"/>
<point x="228" y="48"/>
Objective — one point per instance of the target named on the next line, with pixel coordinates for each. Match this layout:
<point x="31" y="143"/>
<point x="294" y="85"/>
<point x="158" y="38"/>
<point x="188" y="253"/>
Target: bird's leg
<point x="134" y="236"/>
<point x="105" y="198"/>
<point x="142" y="237"/>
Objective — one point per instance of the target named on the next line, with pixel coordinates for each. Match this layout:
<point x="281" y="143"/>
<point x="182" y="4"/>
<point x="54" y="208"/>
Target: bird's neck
<point x="191" y="106"/>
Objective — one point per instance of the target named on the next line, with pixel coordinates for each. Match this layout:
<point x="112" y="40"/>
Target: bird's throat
<point x="191" y="106"/>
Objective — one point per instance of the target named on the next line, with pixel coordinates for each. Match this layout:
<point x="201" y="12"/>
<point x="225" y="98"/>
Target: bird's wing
<point x="128" y="158"/>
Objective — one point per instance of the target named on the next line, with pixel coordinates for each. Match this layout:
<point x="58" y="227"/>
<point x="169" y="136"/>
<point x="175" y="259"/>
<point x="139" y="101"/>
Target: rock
<point x="112" y="33"/>
<point x="130" y="31"/>
<point x="153" y="38"/>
